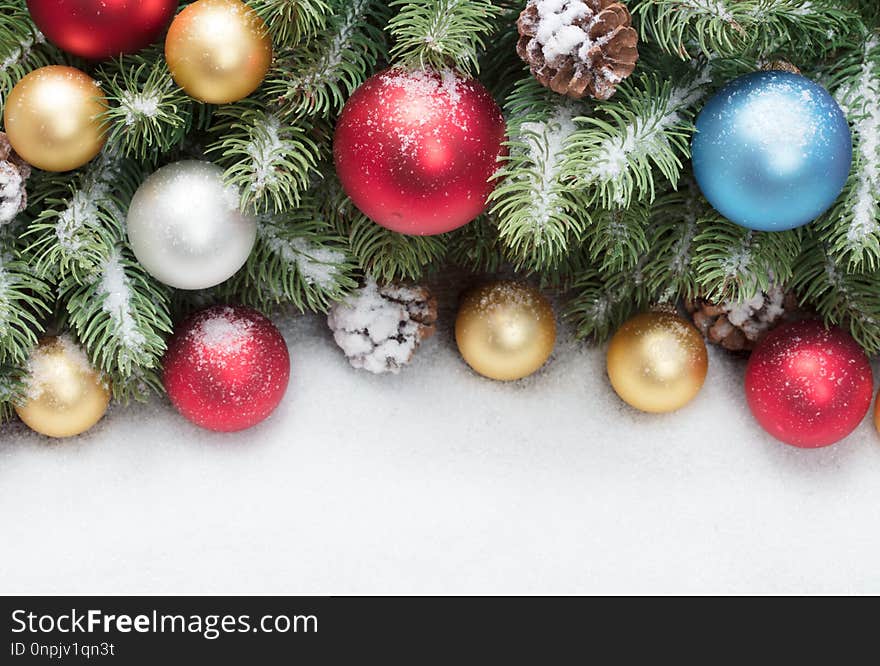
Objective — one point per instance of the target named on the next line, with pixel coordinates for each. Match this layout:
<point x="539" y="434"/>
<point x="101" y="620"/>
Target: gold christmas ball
<point x="657" y="362"/>
<point x="64" y="396"/>
<point x="218" y="51"/>
<point x="505" y="330"/>
<point x="53" y="118"/>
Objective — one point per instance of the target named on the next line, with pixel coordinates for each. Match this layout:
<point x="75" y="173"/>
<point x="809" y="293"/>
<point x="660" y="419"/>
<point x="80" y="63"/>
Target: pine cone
<point x="14" y="171"/>
<point x="740" y="326"/>
<point x="380" y="328"/>
<point x="578" y="47"/>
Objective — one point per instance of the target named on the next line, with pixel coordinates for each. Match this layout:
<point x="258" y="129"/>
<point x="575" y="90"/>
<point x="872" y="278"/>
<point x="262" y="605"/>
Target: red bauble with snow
<point x="226" y="368"/>
<point x="808" y="385"/>
<point x="416" y="150"/>
<point x="98" y="29"/>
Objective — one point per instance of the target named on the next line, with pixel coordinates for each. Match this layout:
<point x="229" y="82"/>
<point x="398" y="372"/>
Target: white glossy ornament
<point x="186" y="228"/>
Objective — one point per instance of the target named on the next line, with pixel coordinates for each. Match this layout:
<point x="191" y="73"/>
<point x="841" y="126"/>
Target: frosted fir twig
<point x="441" y="33"/>
<point x="22" y="47"/>
<point x="270" y="162"/>
<point x="121" y="317"/>
<point x="148" y="113"/>
<point x="75" y="234"/>
<point x="297" y="260"/>
<point x="734" y="263"/>
<point x="291" y="22"/>
<point x="648" y="127"/>
<point x="24" y="300"/>
<point x="317" y="81"/>
<point x="534" y="205"/>
<point x="852" y="227"/>
<point x="744" y="27"/>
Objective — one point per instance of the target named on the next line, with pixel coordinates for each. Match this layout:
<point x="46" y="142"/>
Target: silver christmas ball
<point x="186" y="228"/>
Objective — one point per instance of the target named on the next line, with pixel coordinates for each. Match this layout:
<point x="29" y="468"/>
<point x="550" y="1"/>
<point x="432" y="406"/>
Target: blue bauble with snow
<point x="772" y="151"/>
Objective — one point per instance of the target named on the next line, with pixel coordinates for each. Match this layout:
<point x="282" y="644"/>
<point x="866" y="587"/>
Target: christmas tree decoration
<point x="578" y="47"/>
<point x="14" y="173"/>
<point x="380" y="328"/>
<point x="772" y="151"/>
<point x="218" y="51"/>
<point x="657" y="362"/>
<point x="738" y="326"/>
<point x="186" y="228"/>
<point x="505" y="330"/>
<point x="226" y="368"/>
<point x="808" y="385"/>
<point x="52" y="118"/>
<point x="64" y="395"/>
<point x="416" y="150"/>
<point x="98" y="29"/>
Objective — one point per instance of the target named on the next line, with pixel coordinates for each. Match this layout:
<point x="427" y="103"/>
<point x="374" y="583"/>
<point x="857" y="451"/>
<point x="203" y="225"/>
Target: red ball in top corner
<point x="226" y="368"/>
<point x="98" y="29"/>
<point x="416" y="150"/>
<point x="807" y="385"/>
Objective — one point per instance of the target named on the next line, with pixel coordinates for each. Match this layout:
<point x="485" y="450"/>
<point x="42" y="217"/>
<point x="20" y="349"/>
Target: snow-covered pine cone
<point x="14" y="172"/>
<point x="739" y="326"/>
<point x="578" y="47"/>
<point x="380" y="328"/>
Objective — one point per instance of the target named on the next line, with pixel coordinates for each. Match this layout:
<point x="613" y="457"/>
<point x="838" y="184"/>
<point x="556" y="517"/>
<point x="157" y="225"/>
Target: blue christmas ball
<point x="772" y="151"/>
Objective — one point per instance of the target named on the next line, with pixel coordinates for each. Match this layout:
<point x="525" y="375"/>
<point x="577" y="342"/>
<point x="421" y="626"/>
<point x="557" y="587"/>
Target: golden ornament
<point x="505" y="330"/>
<point x="218" y="51"/>
<point x="877" y="413"/>
<point x="53" y="118"/>
<point x="65" y="396"/>
<point x="657" y="362"/>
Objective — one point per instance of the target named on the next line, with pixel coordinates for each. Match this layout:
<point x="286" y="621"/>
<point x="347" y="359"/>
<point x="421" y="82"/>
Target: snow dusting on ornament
<point x="380" y="328"/>
<point x="416" y="150"/>
<point x="807" y="385"/>
<point x="226" y="368"/>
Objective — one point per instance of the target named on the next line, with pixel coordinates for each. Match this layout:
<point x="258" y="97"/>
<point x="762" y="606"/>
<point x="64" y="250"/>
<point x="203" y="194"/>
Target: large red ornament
<point x="416" y="150"/>
<point x="226" y="368"/>
<point x="98" y="29"/>
<point x="807" y="385"/>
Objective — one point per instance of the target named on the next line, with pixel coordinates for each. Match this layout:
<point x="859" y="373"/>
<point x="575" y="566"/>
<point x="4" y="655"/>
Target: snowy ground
<point x="438" y="481"/>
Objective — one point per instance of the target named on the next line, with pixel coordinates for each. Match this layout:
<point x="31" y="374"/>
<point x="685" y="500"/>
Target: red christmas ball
<point x="98" y="29"/>
<point x="416" y="150"/>
<point x="226" y="368"/>
<point x="808" y="385"/>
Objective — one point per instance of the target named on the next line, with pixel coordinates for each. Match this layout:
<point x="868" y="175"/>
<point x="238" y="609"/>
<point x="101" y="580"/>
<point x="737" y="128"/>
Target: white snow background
<point x="439" y="481"/>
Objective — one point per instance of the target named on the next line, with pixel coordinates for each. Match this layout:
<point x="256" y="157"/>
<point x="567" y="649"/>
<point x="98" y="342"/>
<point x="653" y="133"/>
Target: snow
<point x="140" y="105"/>
<point x="11" y="192"/>
<point x="439" y="481"/>
<point x="44" y="371"/>
<point x="115" y="288"/>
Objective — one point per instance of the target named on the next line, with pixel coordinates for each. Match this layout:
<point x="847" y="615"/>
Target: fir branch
<point x="73" y="235"/>
<point x="291" y="22"/>
<point x="852" y="227"/>
<point x="642" y="129"/>
<point x="23" y="48"/>
<point x="389" y="256"/>
<point x="148" y="113"/>
<point x="536" y="209"/>
<point x="668" y="271"/>
<point x="121" y="317"/>
<point x="436" y="34"/>
<point x="11" y="388"/>
<point x="475" y="246"/>
<point x="318" y="80"/>
<point x="739" y="27"/>
<point x="296" y="260"/>
<point x="24" y="301"/>
<point x="845" y="299"/>
<point x="600" y="302"/>
<point x="270" y="162"/>
<point x="618" y="239"/>
<point x="734" y="263"/>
